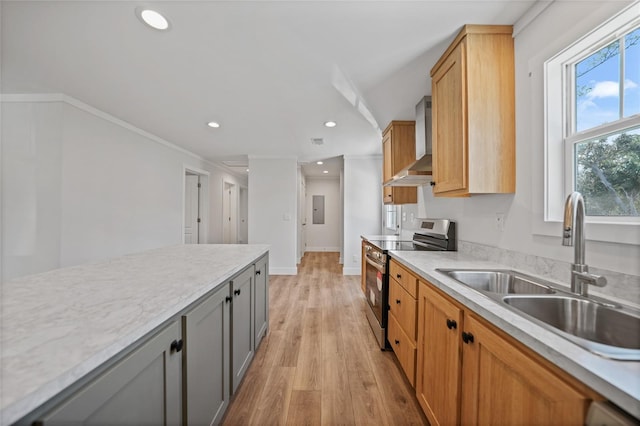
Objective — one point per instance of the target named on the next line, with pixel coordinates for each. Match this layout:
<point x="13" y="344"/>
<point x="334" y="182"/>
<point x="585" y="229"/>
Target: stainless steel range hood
<point x="419" y="172"/>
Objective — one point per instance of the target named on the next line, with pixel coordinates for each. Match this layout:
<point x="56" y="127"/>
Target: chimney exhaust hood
<point x="419" y="172"/>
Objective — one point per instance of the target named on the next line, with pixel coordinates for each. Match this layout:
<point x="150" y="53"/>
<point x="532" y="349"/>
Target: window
<point x="592" y="106"/>
<point x="391" y="213"/>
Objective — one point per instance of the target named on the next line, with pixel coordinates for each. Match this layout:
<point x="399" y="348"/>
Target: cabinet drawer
<point x="405" y="278"/>
<point x="403" y="307"/>
<point x="404" y="348"/>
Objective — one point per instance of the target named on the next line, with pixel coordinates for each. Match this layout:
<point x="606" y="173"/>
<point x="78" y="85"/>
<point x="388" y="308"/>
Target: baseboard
<point x="351" y="271"/>
<point x="322" y="249"/>
<point x="283" y="271"/>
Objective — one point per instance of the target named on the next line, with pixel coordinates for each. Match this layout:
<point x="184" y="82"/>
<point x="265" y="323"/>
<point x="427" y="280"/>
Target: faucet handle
<point x="587" y="278"/>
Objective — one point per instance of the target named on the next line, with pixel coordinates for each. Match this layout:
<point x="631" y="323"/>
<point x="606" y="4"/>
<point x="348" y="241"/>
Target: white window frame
<point x="558" y="105"/>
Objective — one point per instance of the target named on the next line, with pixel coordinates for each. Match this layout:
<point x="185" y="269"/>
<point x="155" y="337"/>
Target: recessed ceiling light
<point x="247" y="170"/>
<point x="325" y="171"/>
<point x="153" y="19"/>
<point x="213" y="124"/>
<point x="330" y="124"/>
<point x="320" y="163"/>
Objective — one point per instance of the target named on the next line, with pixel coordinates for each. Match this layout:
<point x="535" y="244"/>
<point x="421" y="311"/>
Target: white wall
<point x="536" y="43"/>
<point x="273" y="210"/>
<point x="79" y="185"/>
<point x="324" y="237"/>
<point x="362" y="211"/>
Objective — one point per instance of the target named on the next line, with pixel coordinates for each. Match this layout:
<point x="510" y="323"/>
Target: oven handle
<point x="376" y="265"/>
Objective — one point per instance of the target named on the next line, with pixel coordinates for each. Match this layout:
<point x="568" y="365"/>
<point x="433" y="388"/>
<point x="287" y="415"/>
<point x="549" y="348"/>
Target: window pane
<point x="608" y="174"/>
<point x="632" y="73"/>
<point x="597" y="80"/>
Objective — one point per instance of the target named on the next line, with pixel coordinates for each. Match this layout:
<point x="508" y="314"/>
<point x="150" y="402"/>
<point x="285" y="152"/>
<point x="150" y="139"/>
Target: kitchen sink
<point x="498" y="281"/>
<point x="604" y="329"/>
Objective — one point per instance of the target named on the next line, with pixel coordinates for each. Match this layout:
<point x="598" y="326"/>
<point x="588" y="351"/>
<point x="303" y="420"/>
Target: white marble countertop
<point x="58" y="326"/>
<point x="619" y="381"/>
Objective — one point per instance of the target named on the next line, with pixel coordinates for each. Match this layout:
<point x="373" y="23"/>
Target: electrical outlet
<point x="500" y="221"/>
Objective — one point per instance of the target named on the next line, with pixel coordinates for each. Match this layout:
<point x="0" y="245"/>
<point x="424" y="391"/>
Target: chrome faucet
<point x="573" y="235"/>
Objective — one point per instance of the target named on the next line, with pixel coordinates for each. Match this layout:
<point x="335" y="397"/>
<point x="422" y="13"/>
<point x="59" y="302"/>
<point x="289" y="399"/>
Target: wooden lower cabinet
<point x="470" y="373"/>
<point x="439" y="357"/>
<point x="503" y="385"/>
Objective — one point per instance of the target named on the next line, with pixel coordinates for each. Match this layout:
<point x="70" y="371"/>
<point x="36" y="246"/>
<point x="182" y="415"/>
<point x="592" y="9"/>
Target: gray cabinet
<point x="185" y="373"/>
<point x="261" y="311"/>
<point x="142" y="388"/>
<point x="242" y="338"/>
<point x="206" y="358"/>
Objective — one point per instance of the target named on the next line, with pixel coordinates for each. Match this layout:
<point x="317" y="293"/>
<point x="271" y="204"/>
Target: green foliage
<point x="608" y="175"/>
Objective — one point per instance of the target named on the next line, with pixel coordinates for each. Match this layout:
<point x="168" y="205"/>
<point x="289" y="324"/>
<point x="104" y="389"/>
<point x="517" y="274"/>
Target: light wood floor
<point x="320" y="363"/>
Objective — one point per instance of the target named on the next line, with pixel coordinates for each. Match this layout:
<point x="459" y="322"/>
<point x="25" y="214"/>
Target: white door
<point x="229" y="214"/>
<point x="191" y="202"/>
<point x="243" y="228"/>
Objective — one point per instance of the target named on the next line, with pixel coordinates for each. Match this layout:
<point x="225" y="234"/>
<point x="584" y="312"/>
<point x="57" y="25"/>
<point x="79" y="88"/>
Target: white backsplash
<point x="621" y="288"/>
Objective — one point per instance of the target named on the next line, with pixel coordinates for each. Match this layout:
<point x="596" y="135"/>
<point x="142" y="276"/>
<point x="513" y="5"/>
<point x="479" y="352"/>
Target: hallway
<point x="320" y="363"/>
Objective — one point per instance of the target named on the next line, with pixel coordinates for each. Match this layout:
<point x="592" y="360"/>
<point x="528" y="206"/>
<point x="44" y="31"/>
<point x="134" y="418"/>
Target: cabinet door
<point x="241" y="325"/>
<point x="450" y="154"/>
<point x="206" y="333"/>
<point x="403" y="307"/>
<point x="143" y="388"/>
<point x="439" y="357"/>
<point x="503" y="385"/>
<point x="262" y="300"/>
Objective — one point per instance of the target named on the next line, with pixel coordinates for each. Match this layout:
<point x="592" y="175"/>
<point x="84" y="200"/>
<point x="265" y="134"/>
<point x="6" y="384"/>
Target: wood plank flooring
<point x="320" y="363"/>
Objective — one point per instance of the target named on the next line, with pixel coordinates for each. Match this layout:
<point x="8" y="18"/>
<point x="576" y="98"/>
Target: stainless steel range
<point x="433" y="235"/>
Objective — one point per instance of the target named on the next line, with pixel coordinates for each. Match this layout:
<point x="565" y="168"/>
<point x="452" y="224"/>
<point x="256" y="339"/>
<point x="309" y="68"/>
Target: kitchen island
<point x="59" y="327"/>
<point x="617" y="381"/>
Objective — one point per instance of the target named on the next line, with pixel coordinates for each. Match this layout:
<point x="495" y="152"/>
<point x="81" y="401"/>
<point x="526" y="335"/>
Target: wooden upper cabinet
<point x="473" y="116"/>
<point x="398" y="151"/>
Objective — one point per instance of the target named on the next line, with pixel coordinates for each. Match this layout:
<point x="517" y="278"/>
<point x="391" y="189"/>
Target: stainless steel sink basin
<point x="498" y="281"/>
<point x="605" y="330"/>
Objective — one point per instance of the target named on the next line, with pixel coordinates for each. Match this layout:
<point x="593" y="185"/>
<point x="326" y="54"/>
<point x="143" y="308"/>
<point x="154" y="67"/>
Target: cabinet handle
<point x="397" y="301"/>
<point x="398" y="276"/>
<point x="451" y="324"/>
<point x="467" y="337"/>
<point x="227" y="299"/>
<point x="432" y="183"/>
<point x="236" y="292"/>
<point x="258" y="272"/>
<point x="397" y="342"/>
<point x="176" y="345"/>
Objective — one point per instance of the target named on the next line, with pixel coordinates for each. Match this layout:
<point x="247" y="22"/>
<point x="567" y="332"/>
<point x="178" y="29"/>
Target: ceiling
<point x="270" y="72"/>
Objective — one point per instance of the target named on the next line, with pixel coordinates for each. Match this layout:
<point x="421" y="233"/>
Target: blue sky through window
<point x="597" y="80"/>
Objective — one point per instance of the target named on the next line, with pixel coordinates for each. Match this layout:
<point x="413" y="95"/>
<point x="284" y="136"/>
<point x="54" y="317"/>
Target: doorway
<point x="195" y="211"/>
<point x="229" y="213"/>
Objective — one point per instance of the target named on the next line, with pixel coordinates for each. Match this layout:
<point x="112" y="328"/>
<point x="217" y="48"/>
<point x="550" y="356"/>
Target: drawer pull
<point x="397" y="342"/>
<point x="397" y="301"/>
<point x="451" y="324"/>
<point x="467" y="337"/>
<point x="398" y="276"/>
<point x="176" y="345"/>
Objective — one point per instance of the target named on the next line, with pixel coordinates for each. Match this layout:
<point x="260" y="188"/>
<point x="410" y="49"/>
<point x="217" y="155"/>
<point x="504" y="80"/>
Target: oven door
<point x="376" y="288"/>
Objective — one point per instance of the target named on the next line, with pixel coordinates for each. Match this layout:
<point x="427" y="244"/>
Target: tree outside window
<point x="606" y="93"/>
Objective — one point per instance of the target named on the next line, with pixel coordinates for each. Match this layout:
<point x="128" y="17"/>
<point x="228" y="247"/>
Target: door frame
<point x="203" y="203"/>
